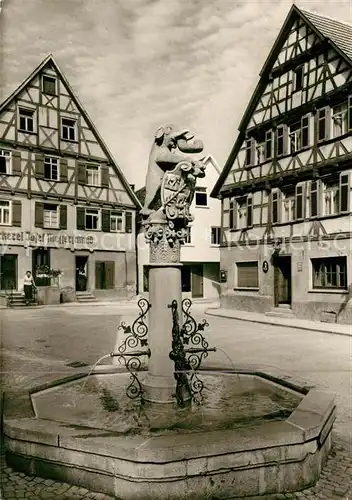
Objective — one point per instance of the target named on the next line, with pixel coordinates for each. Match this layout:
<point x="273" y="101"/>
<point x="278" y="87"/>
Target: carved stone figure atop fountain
<point x="171" y="181"/>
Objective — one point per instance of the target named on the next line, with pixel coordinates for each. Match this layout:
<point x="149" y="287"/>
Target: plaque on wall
<point x="299" y="266"/>
<point x="265" y="266"/>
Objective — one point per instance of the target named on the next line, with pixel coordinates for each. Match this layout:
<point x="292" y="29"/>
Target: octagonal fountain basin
<point x="250" y="436"/>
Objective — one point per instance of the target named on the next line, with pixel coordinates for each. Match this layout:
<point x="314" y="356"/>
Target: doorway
<point x="81" y="273"/>
<point x="105" y="275"/>
<point x="282" y="281"/>
<point x="197" y="281"/>
<point x="8" y="272"/>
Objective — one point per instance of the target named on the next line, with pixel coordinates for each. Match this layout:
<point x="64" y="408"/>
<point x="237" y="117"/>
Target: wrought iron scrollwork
<point x="136" y="337"/>
<point x="188" y="359"/>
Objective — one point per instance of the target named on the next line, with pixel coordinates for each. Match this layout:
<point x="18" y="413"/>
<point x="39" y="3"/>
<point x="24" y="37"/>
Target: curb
<point x="312" y="328"/>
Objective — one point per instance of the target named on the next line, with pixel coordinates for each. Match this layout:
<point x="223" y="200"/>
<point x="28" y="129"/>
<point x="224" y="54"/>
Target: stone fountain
<point x="175" y="430"/>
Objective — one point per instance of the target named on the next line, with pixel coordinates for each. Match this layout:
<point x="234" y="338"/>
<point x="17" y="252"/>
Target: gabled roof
<point x="49" y="61"/>
<point x="210" y="158"/>
<point x="338" y="34"/>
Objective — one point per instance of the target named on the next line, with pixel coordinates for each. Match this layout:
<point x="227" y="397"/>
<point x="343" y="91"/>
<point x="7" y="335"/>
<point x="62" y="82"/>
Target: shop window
<point x="49" y="85"/>
<point x="26" y="120"/>
<point x="330" y="273"/>
<point x="41" y="266"/>
<point x="215" y="235"/>
<point x="51" y="168"/>
<point x="247" y="274"/>
<point x="201" y="197"/>
<point x="5" y="161"/>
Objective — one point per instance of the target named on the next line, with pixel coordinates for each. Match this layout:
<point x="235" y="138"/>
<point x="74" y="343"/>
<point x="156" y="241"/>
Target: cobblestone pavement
<point x="335" y="483"/>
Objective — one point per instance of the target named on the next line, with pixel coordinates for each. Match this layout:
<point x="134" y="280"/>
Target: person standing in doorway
<point x="28" y="287"/>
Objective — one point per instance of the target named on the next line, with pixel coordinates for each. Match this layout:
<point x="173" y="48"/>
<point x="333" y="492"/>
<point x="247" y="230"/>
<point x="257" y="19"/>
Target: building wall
<point x="66" y="244"/>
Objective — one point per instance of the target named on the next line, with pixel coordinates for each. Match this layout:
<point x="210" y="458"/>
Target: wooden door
<point x="197" y="281"/>
<point x="109" y="275"/>
<point x="81" y="273"/>
<point x="8" y="272"/>
<point x="283" y="280"/>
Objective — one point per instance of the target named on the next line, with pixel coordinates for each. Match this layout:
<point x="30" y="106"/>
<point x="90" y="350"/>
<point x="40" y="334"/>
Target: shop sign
<point x="44" y="239"/>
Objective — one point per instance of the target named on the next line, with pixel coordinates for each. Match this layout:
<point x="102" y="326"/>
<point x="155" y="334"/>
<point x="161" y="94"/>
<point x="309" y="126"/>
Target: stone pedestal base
<point x="159" y="389"/>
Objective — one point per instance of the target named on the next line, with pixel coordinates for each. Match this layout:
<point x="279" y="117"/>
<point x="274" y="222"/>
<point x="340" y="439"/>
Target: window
<point x="5" y="161"/>
<point x="250" y="152"/>
<point x="280" y="140"/>
<point x="186" y="278"/>
<point x="340" y="120"/>
<point x="233" y="214"/>
<point x="93" y="175"/>
<point x="331" y="198"/>
<point x="249" y="211"/>
<point x="288" y="214"/>
<point x="275" y="207"/>
<point x="68" y="129"/>
<point x="26" y="120"/>
<point x="323" y="124"/>
<point x="50" y="216"/>
<point x="344" y="192"/>
<point x="330" y="272"/>
<point x="247" y="274"/>
<point x="201" y="197"/>
<point x="299" y="202"/>
<point x="116" y="222"/>
<point x="188" y="238"/>
<point x="298" y="79"/>
<point x="314" y="198"/>
<point x="268" y="144"/>
<point x="299" y="134"/>
<point x="5" y="213"/>
<point x="51" y="169"/>
<point x="215" y="235"/>
<point x="92" y="219"/>
<point x="49" y="85"/>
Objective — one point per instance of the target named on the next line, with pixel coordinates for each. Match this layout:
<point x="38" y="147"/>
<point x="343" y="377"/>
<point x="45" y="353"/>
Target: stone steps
<point x="282" y="311"/>
<point x="84" y="297"/>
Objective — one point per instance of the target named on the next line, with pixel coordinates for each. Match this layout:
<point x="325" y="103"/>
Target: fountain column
<point x="164" y="287"/>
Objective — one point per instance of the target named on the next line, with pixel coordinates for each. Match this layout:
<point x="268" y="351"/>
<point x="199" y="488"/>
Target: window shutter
<point x="39" y="166"/>
<point x="128" y="222"/>
<point x="81" y="218"/>
<point x="39" y="214"/>
<point x="16" y="163"/>
<point x="63" y="217"/>
<point x="63" y="170"/>
<point x="285" y="139"/>
<point x="247" y="274"/>
<point x="16" y="213"/>
<point x="82" y="173"/>
<point x="350" y="112"/>
<point x="105" y="176"/>
<point x="344" y="192"/>
<point x="105" y="223"/>
<point x="327" y="123"/>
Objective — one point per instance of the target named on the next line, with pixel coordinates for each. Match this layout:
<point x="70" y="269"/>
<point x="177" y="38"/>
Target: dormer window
<point x="49" y="85"/>
<point x="298" y="79"/>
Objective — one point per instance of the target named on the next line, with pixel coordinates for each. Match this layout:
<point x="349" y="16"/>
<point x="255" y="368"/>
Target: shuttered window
<point x="128" y="222"/>
<point x="247" y="274"/>
<point x="275" y="207"/>
<point x="344" y="192"/>
<point x="299" y="201"/>
<point x="314" y="198"/>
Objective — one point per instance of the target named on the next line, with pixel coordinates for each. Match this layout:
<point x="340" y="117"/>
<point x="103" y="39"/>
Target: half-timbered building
<point x="286" y="186"/>
<point x="65" y="205"/>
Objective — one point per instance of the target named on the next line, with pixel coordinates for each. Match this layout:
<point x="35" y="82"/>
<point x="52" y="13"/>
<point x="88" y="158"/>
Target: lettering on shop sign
<point x="44" y="239"/>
